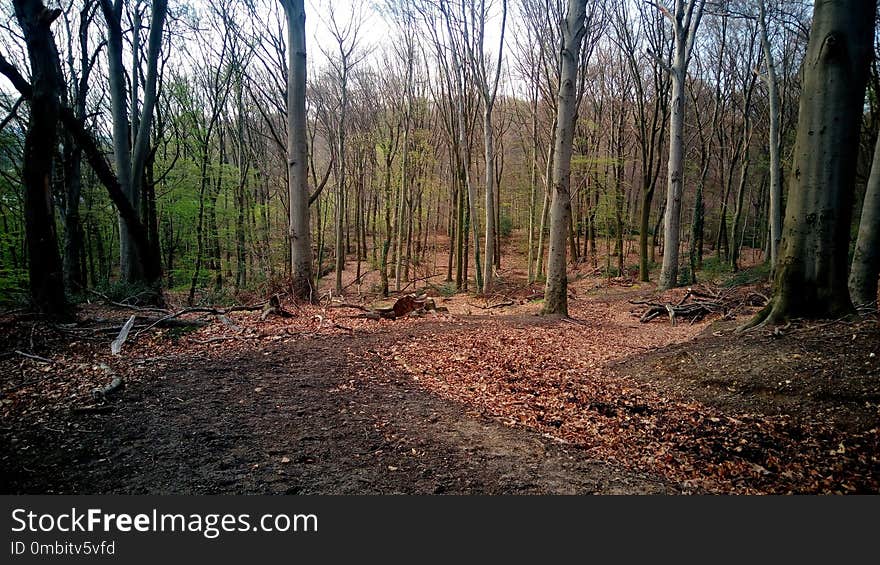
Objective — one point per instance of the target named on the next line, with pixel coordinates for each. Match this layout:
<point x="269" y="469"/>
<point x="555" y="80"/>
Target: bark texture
<point x="556" y="291"/>
<point x="297" y="151"/>
<point x="44" y="260"/>
<point x="866" y="259"/>
<point x="811" y="278"/>
<point x="685" y="21"/>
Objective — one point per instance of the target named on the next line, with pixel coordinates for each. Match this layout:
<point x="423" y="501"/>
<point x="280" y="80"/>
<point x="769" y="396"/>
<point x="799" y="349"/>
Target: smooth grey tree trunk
<point x="556" y="291"/>
<point x="489" y="95"/>
<point x="489" y="145"/>
<point x="533" y="186"/>
<point x="404" y="168"/>
<point x="866" y="259"/>
<point x="811" y="277"/>
<point x="540" y="266"/>
<point x="297" y="151"/>
<point x="775" y="162"/>
<point x="685" y="21"/>
<point x="118" y="110"/>
<point x="130" y="160"/>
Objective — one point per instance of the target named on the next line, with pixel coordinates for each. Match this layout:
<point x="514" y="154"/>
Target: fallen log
<point x="404" y="306"/>
<point x="103" y="392"/>
<point x="36" y="358"/>
<point x="273" y="306"/>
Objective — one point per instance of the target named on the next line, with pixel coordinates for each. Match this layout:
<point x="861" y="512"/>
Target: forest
<point x="439" y="246"/>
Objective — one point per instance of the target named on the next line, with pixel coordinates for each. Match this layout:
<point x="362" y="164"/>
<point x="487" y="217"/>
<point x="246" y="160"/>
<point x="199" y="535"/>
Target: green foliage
<point x="612" y="271"/>
<point x="119" y="291"/>
<point x="714" y="269"/>
<point x="754" y="275"/>
<point x="685" y="276"/>
<point x="505" y="226"/>
<point x="13" y="287"/>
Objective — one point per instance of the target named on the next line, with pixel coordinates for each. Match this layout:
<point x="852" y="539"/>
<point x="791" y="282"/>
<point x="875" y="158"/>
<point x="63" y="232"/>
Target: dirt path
<point x="292" y="418"/>
<point x="323" y="403"/>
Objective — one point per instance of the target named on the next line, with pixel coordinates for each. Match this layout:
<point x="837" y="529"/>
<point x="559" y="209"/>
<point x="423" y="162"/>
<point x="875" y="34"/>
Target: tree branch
<point x="321" y="186"/>
<point x="663" y="64"/>
<point x="12" y="112"/>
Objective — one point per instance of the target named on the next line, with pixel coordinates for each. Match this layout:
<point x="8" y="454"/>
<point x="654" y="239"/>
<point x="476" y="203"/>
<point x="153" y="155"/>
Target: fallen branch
<point x="218" y="339"/>
<point x="488" y="307"/>
<point x="128" y="306"/>
<point x="195" y="310"/>
<point x="103" y="392"/>
<point x="348" y="305"/>
<point x="116" y="345"/>
<point x="34" y="357"/>
<point x="697" y="304"/>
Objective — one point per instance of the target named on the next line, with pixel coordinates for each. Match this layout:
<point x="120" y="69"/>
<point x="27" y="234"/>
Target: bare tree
<point x="770" y="77"/>
<point x="489" y="91"/>
<point x="131" y="154"/>
<point x="44" y="264"/>
<point x="573" y="32"/>
<point x="685" y="19"/>
<point x="297" y="150"/>
<point x="866" y="259"/>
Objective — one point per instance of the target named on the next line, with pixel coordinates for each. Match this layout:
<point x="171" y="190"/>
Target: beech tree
<point x="770" y="77"/>
<point x="44" y="266"/>
<point x="489" y="90"/>
<point x="573" y="32"/>
<point x="298" y="190"/>
<point x="811" y="277"/>
<point x="685" y="19"/>
<point x="866" y="259"/>
<point x="130" y="153"/>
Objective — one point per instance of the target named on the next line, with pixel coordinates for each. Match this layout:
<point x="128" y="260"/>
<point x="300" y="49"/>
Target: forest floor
<point x="479" y="399"/>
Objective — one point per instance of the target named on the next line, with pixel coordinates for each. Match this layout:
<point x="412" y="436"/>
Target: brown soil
<point x="289" y="418"/>
<point x="828" y="372"/>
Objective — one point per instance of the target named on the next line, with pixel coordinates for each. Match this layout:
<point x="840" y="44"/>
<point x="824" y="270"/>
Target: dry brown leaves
<point x="559" y="380"/>
<point x="556" y="377"/>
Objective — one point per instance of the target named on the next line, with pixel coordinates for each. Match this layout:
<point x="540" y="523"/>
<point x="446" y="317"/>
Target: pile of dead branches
<point x="699" y="303"/>
<point x="407" y="305"/>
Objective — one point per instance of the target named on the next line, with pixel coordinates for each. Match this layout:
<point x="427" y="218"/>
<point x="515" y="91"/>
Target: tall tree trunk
<point x="404" y="187"/>
<point x="774" y="142"/>
<point x="131" y="159"/>
<point x="489" y="256"/>
<point x="489" y="94"/>
<point x="44" y="261"/>
<point x="533" y="188"/>
<point x="386" y="243"/>
<point x="866" y="260"/>
<point x="298" y="188"/>
<point x="685" y="21"/>
<point x="545" y="207"/>
<point x="128" y="258"/>
<point x="811" y="277"/>
<point x="672" y="226"/>
<point x="74" y="274"/>
<point x="556" y="291"/>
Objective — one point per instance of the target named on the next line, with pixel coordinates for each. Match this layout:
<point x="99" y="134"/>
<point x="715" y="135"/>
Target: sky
<point x="376" y="31"/>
